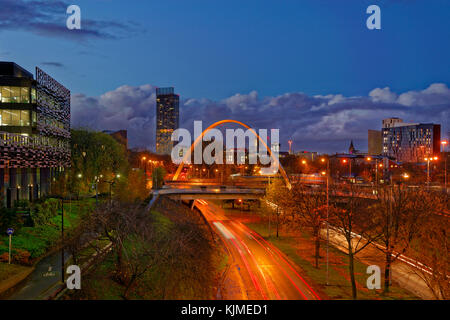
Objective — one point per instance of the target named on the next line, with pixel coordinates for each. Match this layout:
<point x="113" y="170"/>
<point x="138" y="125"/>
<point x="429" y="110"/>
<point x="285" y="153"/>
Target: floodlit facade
<point x="375" y="143"/>
<point x="34" y="132"/>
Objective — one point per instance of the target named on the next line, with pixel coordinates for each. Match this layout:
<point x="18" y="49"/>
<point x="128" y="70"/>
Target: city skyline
<point x="317" y="123"/>
<point x="209" y="153"/>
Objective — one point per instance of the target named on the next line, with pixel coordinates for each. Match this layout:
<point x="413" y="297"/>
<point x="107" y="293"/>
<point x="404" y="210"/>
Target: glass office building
<point x="167" y="118"/>
<point x="34" y="132"/>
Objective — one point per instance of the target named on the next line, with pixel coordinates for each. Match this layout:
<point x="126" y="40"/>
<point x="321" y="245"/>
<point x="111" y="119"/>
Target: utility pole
<point x="376" y="174"/>
<point x="444" y="144"/>
<point x="328" y="205"/>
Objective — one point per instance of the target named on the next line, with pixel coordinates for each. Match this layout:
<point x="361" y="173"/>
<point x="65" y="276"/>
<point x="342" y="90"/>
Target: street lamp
<point x="349" y="168"/>
<point x="304" y="163"/>
<point x="376" y="169"/>
<point x="327" y="173"/>
<point x="444" y="144"/>
<point x="428" y="160"/>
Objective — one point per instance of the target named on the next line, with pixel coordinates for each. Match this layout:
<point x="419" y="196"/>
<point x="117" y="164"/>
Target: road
<point x="263" y="271"/>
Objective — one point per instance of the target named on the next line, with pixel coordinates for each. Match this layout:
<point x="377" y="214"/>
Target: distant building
<point x="120" y="136"/>
<point x="308" y="155"/>
<point x="375" y="142"/>
<point x="353" y="150"/>
<point x="167" y="118"/>
<point x="410" y="142"/>
<point x="34" y="132"/>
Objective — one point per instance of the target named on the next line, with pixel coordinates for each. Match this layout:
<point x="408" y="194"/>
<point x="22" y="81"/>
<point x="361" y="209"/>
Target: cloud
<point x="383" y="95"/>
<point x="53" y="64"/>
<point x="317" y="123"/>
<point x="48" y="18"/>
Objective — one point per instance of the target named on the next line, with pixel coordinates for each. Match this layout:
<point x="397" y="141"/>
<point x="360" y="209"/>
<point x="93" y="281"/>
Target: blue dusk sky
<point x="309" y="67"/>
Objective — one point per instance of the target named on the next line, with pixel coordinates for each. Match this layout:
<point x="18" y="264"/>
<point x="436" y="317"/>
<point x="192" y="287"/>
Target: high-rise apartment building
<point x="34" y="132"/>
<point x="167" y="118"/>
<point x="391" y="122"/>
<point x="410" y="142"/>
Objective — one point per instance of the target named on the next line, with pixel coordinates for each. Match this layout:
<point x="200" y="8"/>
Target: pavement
<point x="402" y="271"/>
<point x="257" y="269"/>
<point x="42" y="280"/>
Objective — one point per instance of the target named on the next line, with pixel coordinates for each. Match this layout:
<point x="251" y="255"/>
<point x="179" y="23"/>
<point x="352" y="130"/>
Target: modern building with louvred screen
<point x="34" y="132"/>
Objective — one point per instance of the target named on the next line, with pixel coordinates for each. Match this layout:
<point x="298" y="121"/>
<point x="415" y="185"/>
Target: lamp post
<point x="96" y="181"/>
<point x="428" y="160"/>
<point x="376" y="170"/>
<point x="349" y="168"/>
<point x="327" y="173"/>
<point x="142" y="162"/>
<point x="62" y="239"/>
<point x="111" y="182"/>
<point x="444" y="144"/>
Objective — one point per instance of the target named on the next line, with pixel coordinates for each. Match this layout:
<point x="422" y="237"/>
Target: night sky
<point x="310" y="68"/>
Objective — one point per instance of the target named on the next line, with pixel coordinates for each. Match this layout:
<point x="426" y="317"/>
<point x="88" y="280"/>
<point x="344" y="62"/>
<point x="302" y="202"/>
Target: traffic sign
<point x="9" y="231"/>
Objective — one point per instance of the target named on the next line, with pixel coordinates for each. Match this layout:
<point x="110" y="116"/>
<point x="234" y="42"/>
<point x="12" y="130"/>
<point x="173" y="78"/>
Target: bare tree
<point x="400" y="213"/>
<point x="356" y="224"/>
<point x="301" y="207"/>
<point x="276" y="202"/>
<point x="310" y="212"/>
<point x="432" y="246"/>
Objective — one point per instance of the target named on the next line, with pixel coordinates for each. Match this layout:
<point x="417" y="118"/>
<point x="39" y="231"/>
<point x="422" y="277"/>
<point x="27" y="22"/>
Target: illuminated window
<point x="33" y="95"/>
<point x="24" y="117"/>
<point x="15" y="94"/>
<point x="6" y="94"/>
<point x="14" y="117"/>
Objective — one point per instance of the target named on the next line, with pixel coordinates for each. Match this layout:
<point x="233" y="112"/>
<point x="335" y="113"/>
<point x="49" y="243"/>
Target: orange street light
<point x="324" y="173"/>
<point x="368" y="158"/>
<point x="323" y="159"/>
<point x="303" y="161"/>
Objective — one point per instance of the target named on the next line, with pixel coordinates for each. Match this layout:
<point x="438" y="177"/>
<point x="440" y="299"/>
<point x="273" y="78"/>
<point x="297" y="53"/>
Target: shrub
<point x="43" y="212"/>
<point x="8" y="219"/>
<point x="21" y="204"/>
